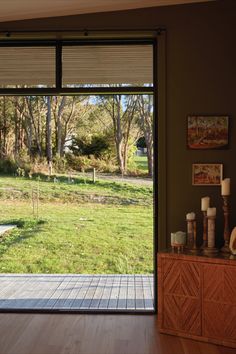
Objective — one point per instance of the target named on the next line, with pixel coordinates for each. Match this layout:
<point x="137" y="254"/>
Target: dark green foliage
<point x="8" y="166"/>
<point x="141" y="143"/>
<point x="95" y="146"/>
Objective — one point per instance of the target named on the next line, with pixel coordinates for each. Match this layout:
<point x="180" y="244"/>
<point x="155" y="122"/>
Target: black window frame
<point x="126" y="90"/>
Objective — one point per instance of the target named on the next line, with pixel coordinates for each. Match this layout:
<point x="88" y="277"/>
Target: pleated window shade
<point x="27" y="66"/>
<point x="107" y="65"/>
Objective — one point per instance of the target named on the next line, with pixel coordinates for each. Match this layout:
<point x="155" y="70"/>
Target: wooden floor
<point x="93" y="334"/>
<point x="76" y="292"/>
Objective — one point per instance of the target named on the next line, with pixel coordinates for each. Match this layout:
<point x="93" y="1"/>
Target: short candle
<point x="211" y="212"/>
<point x="190" y="216"/>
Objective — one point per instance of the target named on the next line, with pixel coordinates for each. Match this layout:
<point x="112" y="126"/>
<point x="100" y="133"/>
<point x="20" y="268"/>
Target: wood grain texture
<point x="197" y="297"/>
<point x="76" y="292"/>
<point x="219" y="302"/>
<point x="181" y="303"/>
<point x="26" y="9"/>
<point x="93" y="334"/>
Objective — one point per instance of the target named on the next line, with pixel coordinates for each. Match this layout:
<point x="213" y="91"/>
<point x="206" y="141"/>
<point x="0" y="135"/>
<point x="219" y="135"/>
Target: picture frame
<point x="207" y="132"/>
<point x="207" y="174"/>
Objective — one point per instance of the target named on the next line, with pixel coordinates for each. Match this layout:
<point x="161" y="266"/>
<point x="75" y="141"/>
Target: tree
<point x="145" y="118"/>
<point x="34" y="117"/>
<point x="5" y="125"/>
<point x="122" y="112"/>
<point x="58" y="107"/>
<point x="49" y="134"/>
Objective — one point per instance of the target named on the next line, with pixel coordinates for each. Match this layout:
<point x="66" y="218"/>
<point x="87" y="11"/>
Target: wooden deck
<point x="76" y="292"/>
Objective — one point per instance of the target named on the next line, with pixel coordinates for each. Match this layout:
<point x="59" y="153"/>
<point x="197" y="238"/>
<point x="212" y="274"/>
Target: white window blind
<point x="27" y="66"/>
<point x="107" y="64"/>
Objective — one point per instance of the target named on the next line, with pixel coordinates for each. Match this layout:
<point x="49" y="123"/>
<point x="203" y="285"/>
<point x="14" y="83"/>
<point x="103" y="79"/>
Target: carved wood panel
<point x="182" y="300"/>
<point x="181" y="278"/>
<point x="219" y="301"/>
<point x="197" y="297"/>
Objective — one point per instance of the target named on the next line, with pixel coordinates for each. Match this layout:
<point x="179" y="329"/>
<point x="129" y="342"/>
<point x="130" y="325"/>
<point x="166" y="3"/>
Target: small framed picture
<point x="207" y="132"/>
<point x="207" y="174"/>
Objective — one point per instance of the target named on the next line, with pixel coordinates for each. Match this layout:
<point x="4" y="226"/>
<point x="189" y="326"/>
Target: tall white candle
<point x="205" y="203"/>
<point x="225" y="186"/>
<point x="190" y="216"/>
<point x="211" y="212"/>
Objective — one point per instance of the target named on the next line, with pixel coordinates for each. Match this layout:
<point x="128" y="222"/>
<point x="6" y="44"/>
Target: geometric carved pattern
<point x="191" y="316"/>
<point x="197" y="297"/>
<point x="230" y="285"/>
<point x="230" y="322"/>
<point x="219" y="321"/>
<point x="190" y="279"/>
<point x="213" y="284"/>
<point x="182" y="278"/>
<point x="172" y="311"/>
<point x="219" y="283"/>
<point x="182" y="313"/>
<point x="182" y="300"/>
<point x="219" y="305"/>
<point x="171" y="277"/>
<point x="213" y="326"/>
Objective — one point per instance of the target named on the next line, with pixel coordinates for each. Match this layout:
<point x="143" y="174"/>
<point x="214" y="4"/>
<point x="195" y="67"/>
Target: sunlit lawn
<point x="141" y="163"/>
<point x="97" y="228"/>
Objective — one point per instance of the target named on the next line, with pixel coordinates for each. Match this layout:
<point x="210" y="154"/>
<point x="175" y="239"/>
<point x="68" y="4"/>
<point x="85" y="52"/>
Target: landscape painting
<point x="207" y="174"/>
<point x="207" y="132"/>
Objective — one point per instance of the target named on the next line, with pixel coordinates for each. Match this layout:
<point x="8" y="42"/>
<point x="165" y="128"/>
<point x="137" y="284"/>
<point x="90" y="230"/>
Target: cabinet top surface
<point x="220" y="258"/>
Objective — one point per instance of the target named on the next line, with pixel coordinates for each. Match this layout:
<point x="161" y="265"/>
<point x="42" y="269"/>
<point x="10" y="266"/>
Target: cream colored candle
<point x="205" y="203"/>
<point x="190" y="216"/>
<point x="211" y="212"/>
<point x="225" y="186"/>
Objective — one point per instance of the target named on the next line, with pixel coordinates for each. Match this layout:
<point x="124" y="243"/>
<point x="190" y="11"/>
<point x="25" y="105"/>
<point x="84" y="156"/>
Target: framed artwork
<point x="207" y="174"/>
<point x="207" y="132"/>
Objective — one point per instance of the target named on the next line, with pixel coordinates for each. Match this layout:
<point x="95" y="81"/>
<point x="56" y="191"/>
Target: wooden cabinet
<point x="197" y="297"/>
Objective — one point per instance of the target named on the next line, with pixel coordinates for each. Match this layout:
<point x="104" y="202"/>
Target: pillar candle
<point x="211" y="212"/>
<point x="225" y="186"/>
<point x="190" y="216"/>
<point x="205" y="203"/>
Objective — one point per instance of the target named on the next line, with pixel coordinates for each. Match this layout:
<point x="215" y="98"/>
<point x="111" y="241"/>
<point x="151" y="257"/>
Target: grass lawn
<point x="104" y="227"/>
<point x="141" y="163"/>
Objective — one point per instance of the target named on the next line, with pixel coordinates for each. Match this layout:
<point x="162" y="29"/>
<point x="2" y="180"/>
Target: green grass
<point x="104" y="227"/>
<point x="141" y="163"/>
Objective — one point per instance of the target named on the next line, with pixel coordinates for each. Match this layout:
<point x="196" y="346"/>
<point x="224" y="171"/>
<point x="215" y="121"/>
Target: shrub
<point x="84" y="163"/>
<point x="8" y="166"/>
<point x="96" y="145"/>
<point x="59" y="164"/>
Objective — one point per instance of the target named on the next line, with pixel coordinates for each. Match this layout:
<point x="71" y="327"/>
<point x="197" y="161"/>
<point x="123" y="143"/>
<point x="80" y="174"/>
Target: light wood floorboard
<point x="93" y="334"/>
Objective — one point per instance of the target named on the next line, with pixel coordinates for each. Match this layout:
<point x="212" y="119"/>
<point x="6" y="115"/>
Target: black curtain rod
<point x="83" y="31"/>
<point x="158" y="29"/>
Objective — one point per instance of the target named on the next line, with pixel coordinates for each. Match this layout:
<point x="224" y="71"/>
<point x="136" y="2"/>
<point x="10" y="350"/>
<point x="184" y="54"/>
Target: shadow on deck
<point x="76" y="292"/>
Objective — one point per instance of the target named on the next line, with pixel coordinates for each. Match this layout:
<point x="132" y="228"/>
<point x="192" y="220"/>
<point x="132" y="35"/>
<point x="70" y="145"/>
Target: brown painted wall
<point x="201" y="79"/>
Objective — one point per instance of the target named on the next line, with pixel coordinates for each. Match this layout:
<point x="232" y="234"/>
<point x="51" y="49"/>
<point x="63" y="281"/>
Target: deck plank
<point x="76" y="291"/>
<point x="113" y="301"/>
<point x="139" y="297"/>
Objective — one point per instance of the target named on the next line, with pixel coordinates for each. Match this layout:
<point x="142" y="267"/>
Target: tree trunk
<point x="4" y="129"/>
<point x="16" y="128"/>
<point x="118" y="133"/>
<point x="145" y="116"/>
<point x="150" y="159"/>
<point x="49" y="134"/>
<point x="33" y="123"/>
<point x="59" y="126"/>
